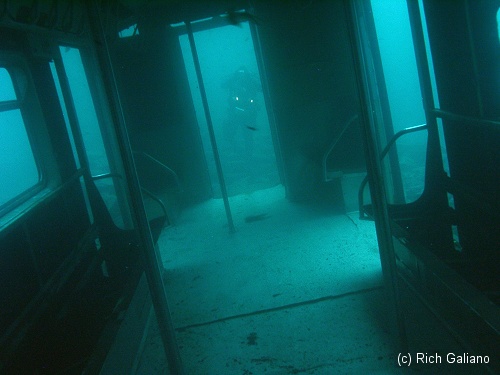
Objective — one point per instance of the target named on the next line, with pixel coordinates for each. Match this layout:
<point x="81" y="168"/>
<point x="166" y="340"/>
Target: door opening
<point x="237" y="107"/>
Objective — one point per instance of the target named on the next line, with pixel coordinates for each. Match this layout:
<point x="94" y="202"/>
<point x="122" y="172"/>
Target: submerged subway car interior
<point x="249" y="186"/>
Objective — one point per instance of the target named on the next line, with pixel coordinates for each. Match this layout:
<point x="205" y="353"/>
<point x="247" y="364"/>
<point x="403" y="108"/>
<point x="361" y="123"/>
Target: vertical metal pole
<point x="213" y="142"/>
<point x="150" y="253"/>
<point x="377" y="188"/>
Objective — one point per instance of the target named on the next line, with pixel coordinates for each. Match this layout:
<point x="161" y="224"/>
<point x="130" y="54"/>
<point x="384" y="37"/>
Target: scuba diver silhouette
<point x="242" y="107"/>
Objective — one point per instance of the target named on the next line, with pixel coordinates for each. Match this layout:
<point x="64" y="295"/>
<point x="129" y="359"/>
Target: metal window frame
<point x="14" y="64"/>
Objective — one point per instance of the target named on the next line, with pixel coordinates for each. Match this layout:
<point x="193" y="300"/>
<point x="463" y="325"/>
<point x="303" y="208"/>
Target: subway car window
<point x="498" y="24"/>
<point x="85" y="110"/>
<point x="18" y="166"/>
<point x="404" y="96"/>
<point x="100" y="149"/>
<point x="65" y="112"/>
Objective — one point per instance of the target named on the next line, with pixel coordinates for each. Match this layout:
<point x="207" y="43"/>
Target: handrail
<point x="155" y="198"/>
<point x="384" y="152"/>
<point x="144" y="190"/>
<point x="334" y="144"/>
<point x="445" y="115"/>
<point x="102" y="176"/>
<point x="165" y="167"/>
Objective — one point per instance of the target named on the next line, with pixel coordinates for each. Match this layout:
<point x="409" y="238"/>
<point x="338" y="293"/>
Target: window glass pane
<point x="17" y="163"/>
<point x="498" y="23"/>
<point x="65" y="112"/>
<point x="7" y="88"/>
<point x="128" y="32"/>
<point x="85" y="110"/>
<point x="90" y="129"/>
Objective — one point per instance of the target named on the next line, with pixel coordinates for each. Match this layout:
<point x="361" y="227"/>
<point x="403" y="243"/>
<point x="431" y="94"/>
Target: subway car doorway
<point x="233" y="89"/>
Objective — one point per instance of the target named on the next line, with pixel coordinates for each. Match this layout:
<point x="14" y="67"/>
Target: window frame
<point x="22" y="82"/>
